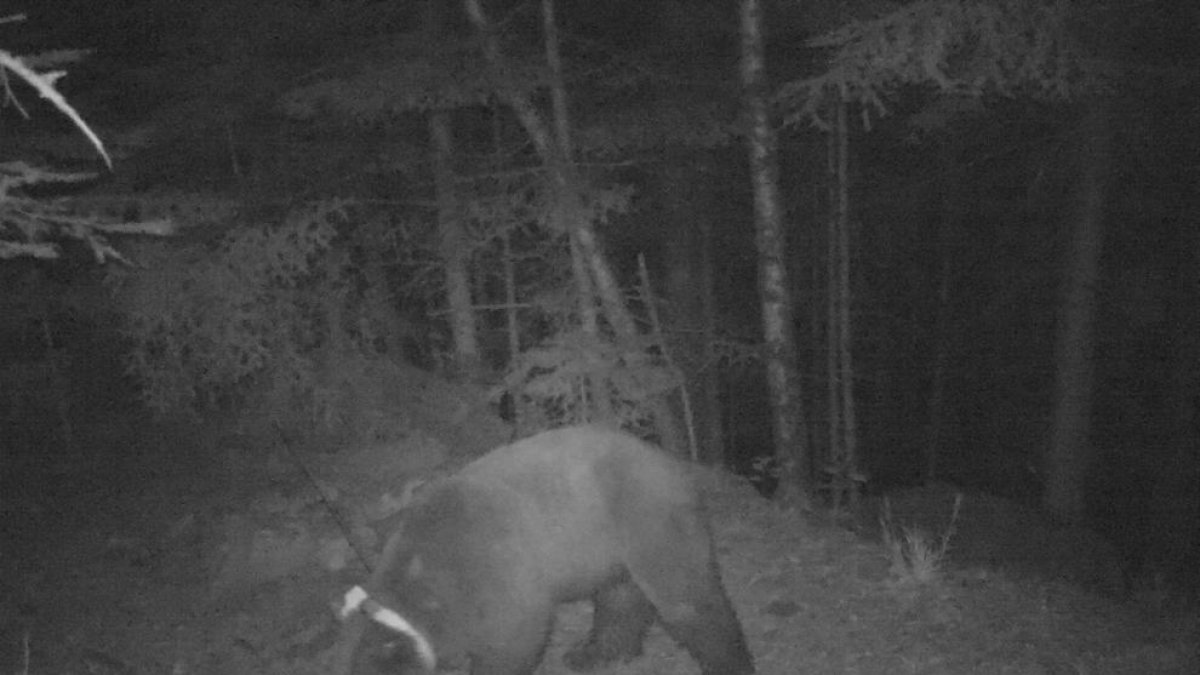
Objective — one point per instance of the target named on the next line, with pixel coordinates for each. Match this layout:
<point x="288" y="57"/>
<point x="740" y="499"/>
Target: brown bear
<point x="475" y="569"/>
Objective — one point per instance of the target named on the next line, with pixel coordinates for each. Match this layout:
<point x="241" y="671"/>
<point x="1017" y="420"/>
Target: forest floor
<point x="168" y="555"/>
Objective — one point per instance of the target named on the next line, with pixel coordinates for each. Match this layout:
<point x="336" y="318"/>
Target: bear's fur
<point x="480" y="563"/>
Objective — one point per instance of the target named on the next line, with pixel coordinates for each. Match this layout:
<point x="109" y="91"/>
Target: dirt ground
<point x="172" y="552"/>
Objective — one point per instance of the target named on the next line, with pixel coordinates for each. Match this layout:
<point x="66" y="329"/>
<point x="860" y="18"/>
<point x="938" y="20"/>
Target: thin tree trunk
<point x="952" y="204"/>
<point x="840" y="466"/>
<point x="646" y="291"/>
<point x="833" y="422"/>
<point x="1070" y="449"/>
<point x="571" y="213"/>
<point x="384" y="308"/>
<point x="452" y="243"/>
<point x="568" y="201"/>
<point x="454" y="251"/>
<point x="848" y="473"/>
<point x="937" y="394"/>
<point x="790" y="437"/>
<point x="714" y="434"/>
<point x="552" y="144"/>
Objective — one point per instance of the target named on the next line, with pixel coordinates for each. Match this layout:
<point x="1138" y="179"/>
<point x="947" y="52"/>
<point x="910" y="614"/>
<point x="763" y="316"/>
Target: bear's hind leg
<point x="707" y="627"/>
<point x="619" y="623"/>
<point x="677" y="572"/>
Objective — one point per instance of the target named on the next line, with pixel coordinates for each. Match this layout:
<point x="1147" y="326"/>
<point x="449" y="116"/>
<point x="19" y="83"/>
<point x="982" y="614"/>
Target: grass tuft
<point x="916" y="556"/>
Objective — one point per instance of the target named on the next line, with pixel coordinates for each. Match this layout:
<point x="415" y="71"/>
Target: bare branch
<point x="44" y="84"/>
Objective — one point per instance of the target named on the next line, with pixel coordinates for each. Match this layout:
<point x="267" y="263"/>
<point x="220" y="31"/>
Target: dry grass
<point x="917" y="557"/>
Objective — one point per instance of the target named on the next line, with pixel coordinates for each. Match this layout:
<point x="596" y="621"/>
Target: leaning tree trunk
<point x="790" y="437"/>
<point x="1070" y="451"/>
<point x="552" y="144"/>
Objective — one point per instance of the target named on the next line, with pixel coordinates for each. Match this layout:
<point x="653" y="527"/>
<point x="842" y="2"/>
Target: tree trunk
<point x="783" y="380"/>
<point x="455" y="253"/>
<point x="710" y="388"/>
<point x="848" y="477"/>
<point x="552" y="144"/>
<point x="833" y="411"/>
<point x="948" y="224"/>
<point x="1070" y="450"/>
<point x="840" y="467"/>
<point x="452" y="241"/>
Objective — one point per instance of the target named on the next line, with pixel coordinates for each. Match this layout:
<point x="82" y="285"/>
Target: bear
<point x="473" y="572"/>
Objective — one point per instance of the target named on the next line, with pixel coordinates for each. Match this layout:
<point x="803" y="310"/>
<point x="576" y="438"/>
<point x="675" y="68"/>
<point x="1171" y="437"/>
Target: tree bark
<point x="948" y="224"/>
<point x="790" y="437"/>
<point x="454" y="251"/>
<point x="552" y="144"/>
<point x="1070" y="452"/>
<point x="846" y="463"/>
<point x="452" y="240"/>
<point x="710" y="377"/>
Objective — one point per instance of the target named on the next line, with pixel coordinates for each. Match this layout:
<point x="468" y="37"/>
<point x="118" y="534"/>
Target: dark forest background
<point x="291" y="142"/>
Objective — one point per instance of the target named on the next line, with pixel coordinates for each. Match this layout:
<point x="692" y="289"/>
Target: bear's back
<point x="578" y="460"/>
